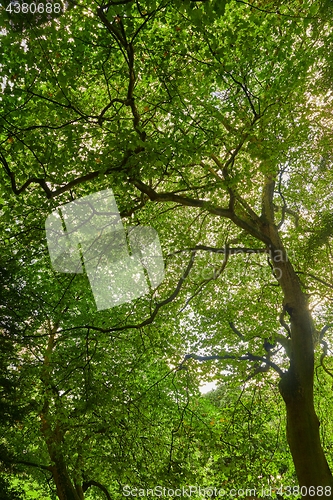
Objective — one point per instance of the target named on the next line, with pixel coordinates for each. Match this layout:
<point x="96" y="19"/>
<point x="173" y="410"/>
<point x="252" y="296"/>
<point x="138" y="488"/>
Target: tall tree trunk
<point x="296" y="386"/>
<point x="65" y="488"/>
<point x="303" y="436"/>
<point x="64" y="485"/>
<point x="53" y="434"/>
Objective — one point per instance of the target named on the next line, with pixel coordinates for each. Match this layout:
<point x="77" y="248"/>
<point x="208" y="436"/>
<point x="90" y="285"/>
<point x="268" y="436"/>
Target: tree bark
<point x="65" y="488"/>
<point x="304" y="438"/>
<point x="53" y="434"/>
<point x="296" y="385"/>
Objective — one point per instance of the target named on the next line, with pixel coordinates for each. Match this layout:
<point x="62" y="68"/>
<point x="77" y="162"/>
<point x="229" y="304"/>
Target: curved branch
<point x="247" y="95"/>
<point x="119" y="2"/>
<point x="236" y="331"/>
<point x="149" y="320"/>
<point x="31" y="180"/>
<point x="247" y="357"/>
<point x="323" y="356"/>
<point x="192" y="202"/>
<point x="67" y="187"/>
<point x="125" y="102"/>
<point x="88" y="484"/>
<point x="231" y="251"/>
<point x="324" y="330"/>
<point x="315" y="278"/>
<point x="216" y="275"/>
<point x="32" y="464"/>
<point x="111" y="28"/>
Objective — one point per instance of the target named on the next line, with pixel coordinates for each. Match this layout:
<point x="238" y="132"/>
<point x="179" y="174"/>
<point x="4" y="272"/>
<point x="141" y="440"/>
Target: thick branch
<point x="235" y="330"/>
<point x="324" y="354"/>
<point x="247" y="357"/>
<point x="119" y="2"/>
<point x="231" y="251"/>
<point x="32" y="464"/>
<point x="118" y="32"/>
<point x="67" y="187"/>
<point x="191" y="202"/>
<point x="42" y="182"/>
<point x="232" y="192"/>
<point x="115" y="32"/>
<point x="324" y="330"/>
<point x="88" y="484"/>
<point x="125" y="102"/>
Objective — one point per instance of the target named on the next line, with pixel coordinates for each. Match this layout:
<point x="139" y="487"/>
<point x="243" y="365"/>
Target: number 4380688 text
<point x="32" y="8"/>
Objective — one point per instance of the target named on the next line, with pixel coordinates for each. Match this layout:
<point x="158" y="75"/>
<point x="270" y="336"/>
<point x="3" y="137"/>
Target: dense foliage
<point x="211" y="122"/>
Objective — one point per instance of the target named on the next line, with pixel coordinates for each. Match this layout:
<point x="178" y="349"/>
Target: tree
<point x="249" y="423"/>
<point x="210" y="121"/>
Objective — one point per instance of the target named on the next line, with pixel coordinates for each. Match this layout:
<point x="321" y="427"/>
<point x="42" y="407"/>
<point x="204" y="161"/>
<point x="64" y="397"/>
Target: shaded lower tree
<point x="100" y="410"/>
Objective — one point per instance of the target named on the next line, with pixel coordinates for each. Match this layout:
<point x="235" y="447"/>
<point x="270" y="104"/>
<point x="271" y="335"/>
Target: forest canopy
<point x="210" y="123"/>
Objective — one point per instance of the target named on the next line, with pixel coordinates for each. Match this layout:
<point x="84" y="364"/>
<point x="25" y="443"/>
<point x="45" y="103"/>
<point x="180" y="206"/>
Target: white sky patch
<point x="207" y="386"/>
